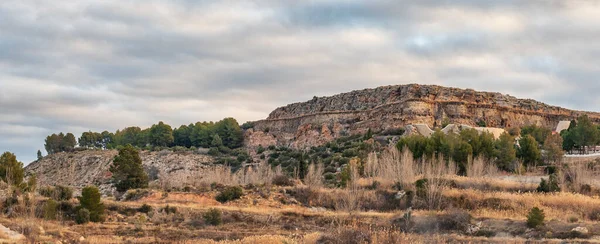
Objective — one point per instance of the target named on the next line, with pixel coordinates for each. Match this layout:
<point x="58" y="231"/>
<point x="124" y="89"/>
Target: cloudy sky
<point x="74" y="66"/>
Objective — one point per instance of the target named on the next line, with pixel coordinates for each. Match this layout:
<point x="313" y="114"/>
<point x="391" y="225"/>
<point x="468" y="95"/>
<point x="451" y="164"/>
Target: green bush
<point x="213" y="217"/>
<point x="230" y="193"/>
<point x="58" y="193"/>
<point x="63" y="193"/>
<point x="50" y="208"/>
<point x="82" y="216"/>
<point x="90" y="200"/>
<point x="535" y="218"/>
<point x="551" y="185"/>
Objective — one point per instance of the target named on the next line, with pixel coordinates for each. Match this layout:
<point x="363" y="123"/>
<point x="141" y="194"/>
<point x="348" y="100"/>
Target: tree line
<point x="224" y="133"/>
<point x="535" y="145"/>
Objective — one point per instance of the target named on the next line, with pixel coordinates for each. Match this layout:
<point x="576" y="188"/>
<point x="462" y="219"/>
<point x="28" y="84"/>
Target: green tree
<point x="201" y="133"/>
<point x="216" y="141"/>
<point x="161" y="135"/>
<point x="505" y="151"/>
<point x="585" y="133"/>
<point x="553" y="151"/>
<point x="529" y="150"/>
<point x="230" y="132"/>
<point x="182" y="135"/>
<point x="91" y="200"/>
<point x="52" y="143"/>
<point x="39" y="155"/>
<point x="11" y="170"/>
<point x="539" y="133"/>
<point x="127" y="171"/>
<point x="68" y="142"/>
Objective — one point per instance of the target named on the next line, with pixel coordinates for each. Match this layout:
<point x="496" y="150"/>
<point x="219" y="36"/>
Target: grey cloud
<point x="96" y="65"/>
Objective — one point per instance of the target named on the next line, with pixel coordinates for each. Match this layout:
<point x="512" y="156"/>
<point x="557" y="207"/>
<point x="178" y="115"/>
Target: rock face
<point x="91" y="167"/>
<point x="324" y="118"/>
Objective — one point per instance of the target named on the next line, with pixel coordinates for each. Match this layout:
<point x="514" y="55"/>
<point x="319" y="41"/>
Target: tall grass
<point x="262" y="174"/>
<point x="314" y="176"/>
<point x="479" y="167"/>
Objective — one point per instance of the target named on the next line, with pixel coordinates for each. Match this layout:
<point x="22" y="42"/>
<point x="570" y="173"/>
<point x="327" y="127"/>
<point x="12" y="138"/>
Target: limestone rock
<point x="301" y="125"/>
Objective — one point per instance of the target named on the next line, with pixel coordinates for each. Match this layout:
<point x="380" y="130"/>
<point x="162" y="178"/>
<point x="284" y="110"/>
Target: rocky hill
<point x="91" y="167"/>
<point x="322" y="119"/>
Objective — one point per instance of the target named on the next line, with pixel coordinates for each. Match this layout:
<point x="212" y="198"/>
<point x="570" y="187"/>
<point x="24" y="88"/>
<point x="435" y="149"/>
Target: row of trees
<point x="504" y="151"/>
<point x="60" y="143"/>
<point x="581" y="134"/>
<point x="226" y="132"/>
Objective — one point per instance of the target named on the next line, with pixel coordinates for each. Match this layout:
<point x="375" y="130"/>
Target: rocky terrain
<point x="322" y="119"/>
<point x="91" y="167"/>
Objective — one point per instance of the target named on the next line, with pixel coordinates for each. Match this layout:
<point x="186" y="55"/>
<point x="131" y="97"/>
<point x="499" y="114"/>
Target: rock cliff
<point x="91" y="167"/>
<point x="322" y="119"/>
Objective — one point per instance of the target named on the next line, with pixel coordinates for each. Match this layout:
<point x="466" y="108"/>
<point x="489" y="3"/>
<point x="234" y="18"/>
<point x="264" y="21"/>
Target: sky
<point x="74" y="66"/>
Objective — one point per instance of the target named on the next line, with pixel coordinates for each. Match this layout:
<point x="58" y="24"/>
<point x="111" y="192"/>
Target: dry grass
<point x="393" y="166"/>
<point x="262" y="174"/>
<point x="314" y="176"/>
<point x="479" y="167"/>
<point x="516" y="205"/>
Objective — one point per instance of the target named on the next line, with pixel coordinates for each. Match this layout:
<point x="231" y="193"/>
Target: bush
<point x="213" y="217"/>
<point x="58" y="193"/>
<point x="82" y="216"/>
<point x="230" y="193"/>
<point x="145" y="208"/>
<point x="67" y="209"/>
<point x="282" y="180"/>
<point x="136" y="194"/>
<point x="455" y="220"/>
<point x="90" y="200"/>
<point x="169" y="210"/>
<point x="549" y="186"/>
<point x="50" y="208"/>
<point x="535" y="218"/>
<point x="63" y="193"/>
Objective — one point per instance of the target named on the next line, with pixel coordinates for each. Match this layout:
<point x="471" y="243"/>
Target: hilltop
<point x="322" y="119"/>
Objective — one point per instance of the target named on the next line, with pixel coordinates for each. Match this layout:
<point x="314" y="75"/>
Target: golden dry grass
<point x="555" y="205"/>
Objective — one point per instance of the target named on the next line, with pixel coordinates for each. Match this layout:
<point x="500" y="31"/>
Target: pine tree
<point x="127" y="170"/>
<point x="11" y="170"/>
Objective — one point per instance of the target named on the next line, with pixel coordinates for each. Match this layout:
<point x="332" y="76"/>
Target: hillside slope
<point x="322" y="119"/>
<point x="91" y="167"/>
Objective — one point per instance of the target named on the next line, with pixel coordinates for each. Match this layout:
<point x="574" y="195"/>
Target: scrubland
<point x="390" y="203"/>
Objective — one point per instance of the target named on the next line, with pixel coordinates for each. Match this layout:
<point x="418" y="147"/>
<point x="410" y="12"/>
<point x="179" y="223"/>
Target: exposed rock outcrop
<point x="301" y="124"/>
<point x="91" y="167"/>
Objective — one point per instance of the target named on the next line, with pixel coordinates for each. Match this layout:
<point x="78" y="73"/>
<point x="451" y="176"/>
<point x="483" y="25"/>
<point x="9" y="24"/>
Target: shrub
<point x="455" y="220"/>
<point x="63" y="193"/>
<point x="169" y="210"/>
<point x="594" y="215"/>
<point x="282" y="180"/>
<point x="67" y="209"/>
<point x="58" y="193"/>
<point x="46" y="191"/>
<point x="145" y="208"/>
<point x="50" y="208"/>
<point x="90" y="200"/>
<point x="213" y="217"/>
<point x="230" y="193"/>
<point x="549" y="186"/>
<point x="136" y="194"/>
<point x="82" y="216"/>
<point x="535" y="218"/>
